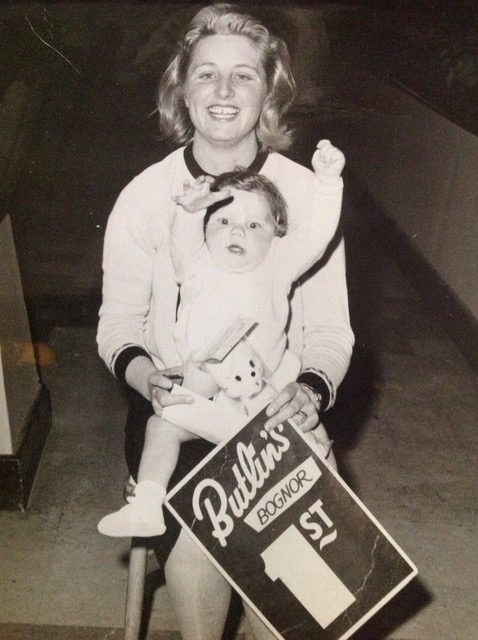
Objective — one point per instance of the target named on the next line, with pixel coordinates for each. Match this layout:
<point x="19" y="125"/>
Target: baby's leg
<point x="161" y="450"/>
<point x="213" y="421"/>
<point x="143" y="515"/>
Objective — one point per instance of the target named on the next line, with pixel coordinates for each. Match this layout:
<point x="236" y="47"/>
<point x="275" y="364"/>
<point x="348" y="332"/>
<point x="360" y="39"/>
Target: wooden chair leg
<point x="135" y="590"/>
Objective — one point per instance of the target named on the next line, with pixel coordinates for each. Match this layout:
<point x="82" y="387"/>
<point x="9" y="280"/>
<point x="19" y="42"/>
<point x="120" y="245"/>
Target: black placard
<point x="289" y="535"/>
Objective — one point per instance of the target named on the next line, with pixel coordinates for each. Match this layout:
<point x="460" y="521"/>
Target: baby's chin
<point x="236" y="264"/>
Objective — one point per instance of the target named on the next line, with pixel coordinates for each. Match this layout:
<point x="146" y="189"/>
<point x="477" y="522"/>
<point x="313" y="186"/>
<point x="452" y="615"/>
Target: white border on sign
<point x="366" y="616"/>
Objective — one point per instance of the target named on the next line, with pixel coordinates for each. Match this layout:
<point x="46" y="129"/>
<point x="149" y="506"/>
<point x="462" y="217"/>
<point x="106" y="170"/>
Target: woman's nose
<point x="224" y="87"/>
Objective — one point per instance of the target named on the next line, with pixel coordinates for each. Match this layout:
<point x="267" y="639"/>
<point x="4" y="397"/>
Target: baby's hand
<point x="199" y="196"/>
<point x="328" y="161"/>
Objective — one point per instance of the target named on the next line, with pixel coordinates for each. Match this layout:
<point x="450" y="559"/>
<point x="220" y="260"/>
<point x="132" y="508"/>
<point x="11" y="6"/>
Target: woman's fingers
<point x="161" y="398"/>
<point x="292" y="403"/>
<point x="160" y="379"/>
<point x="161" y="385"/>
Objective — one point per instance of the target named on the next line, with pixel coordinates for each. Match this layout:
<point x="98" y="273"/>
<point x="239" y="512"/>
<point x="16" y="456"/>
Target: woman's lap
<point x="213" y="585"/>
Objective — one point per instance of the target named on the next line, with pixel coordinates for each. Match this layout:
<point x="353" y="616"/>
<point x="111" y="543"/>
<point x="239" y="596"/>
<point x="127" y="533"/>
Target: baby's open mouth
<point x="236" y="249"/>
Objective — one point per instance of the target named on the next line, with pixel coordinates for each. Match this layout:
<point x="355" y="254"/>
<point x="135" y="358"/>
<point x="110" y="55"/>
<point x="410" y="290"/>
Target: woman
<point x="224" y="95"/>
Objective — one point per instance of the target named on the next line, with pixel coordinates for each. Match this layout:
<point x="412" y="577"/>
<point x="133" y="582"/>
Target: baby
<point x="236" y="259"/>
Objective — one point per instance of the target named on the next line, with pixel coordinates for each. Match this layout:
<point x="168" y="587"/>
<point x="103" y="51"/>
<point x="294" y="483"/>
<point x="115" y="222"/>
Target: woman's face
<point x="225" y="89"/>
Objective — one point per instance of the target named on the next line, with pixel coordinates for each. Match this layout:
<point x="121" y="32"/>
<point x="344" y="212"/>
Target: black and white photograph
<point x="238" y="320"/>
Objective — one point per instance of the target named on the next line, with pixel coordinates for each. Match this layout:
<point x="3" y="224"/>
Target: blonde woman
<point x="222" y="99"/>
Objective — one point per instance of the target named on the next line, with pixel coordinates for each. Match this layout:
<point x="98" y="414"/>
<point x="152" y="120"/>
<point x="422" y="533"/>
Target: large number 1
<point x="292" y="559"/>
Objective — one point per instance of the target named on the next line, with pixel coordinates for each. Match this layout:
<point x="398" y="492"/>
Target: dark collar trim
<point x="196" y="171"/>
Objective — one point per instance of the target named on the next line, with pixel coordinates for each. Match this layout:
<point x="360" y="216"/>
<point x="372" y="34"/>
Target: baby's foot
<point x="142" y="517"/>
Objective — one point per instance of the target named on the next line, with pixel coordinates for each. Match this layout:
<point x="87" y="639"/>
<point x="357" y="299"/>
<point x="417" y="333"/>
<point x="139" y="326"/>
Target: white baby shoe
<point x="142" y="517"/>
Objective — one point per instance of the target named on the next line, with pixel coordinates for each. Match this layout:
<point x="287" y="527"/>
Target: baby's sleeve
<point x="311" y="230"/>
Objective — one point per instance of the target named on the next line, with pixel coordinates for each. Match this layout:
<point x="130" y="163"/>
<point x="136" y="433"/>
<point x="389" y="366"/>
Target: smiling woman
<point x="261" y="60"/>
<point x="224" y="97"/>
<point x="224" y="93"/>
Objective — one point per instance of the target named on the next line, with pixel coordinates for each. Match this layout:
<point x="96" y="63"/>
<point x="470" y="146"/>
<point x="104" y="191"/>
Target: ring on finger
<point x="300" y="416"/>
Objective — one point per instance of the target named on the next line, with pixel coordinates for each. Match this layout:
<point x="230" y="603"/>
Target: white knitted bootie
<point x="142" y="517"/>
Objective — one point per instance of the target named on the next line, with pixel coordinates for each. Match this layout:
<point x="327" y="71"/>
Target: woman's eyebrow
<point x="240" y="65"/>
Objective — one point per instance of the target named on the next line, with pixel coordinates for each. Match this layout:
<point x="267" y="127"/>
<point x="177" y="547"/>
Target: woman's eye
<point x="206" y="75"/>
<point x="243" y="77"/>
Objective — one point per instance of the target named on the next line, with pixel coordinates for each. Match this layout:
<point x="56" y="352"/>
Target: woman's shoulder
<point x="149" y="194"/>
<point x="157" y="176"/>
<point x="287" y="170"/>
<point x="292" y="179"/>
<point x="279" y="160"/>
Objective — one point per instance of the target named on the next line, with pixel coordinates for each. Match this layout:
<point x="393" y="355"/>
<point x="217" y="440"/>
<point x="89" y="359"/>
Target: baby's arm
<point x="187" y="227"/>
<point x="307" y="240"/>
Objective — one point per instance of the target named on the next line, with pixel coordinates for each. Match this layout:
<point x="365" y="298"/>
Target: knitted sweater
<point x="140" y="293"/>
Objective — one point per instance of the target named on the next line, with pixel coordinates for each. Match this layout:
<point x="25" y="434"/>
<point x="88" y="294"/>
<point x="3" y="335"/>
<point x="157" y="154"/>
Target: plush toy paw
<point x="142" y="517"/>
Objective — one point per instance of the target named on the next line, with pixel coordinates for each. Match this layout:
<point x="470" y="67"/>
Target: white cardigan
<point x="140" y="292"/>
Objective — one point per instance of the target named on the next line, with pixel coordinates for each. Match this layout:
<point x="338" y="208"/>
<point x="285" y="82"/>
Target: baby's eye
<point x="223" y="221"/>
<point x="254" y="225"/>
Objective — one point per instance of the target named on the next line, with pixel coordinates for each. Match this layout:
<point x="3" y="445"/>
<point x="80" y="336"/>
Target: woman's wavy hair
<point x="225" y="19"/>
<point x="245" y="180"/>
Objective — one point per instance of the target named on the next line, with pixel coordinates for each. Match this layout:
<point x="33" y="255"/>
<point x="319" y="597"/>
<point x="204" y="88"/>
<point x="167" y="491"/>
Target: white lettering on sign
<point x="293" y="560"/>
<point x="278" y="499"/>
<point x="250" y="473"/>
<point x="315" y="529"/>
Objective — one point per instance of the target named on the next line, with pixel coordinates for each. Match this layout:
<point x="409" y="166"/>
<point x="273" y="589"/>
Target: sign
<point x="289" y="535"/>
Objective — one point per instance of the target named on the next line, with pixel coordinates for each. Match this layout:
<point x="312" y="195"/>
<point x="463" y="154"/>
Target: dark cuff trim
<point x="124" y="358"/>
<point x="317" y="383"/>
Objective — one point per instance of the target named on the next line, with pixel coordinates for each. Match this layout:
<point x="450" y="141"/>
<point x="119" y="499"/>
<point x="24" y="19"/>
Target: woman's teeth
<point x="223" y="112"/>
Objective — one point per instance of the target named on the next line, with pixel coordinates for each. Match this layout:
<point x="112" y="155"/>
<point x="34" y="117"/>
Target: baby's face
<point x="239" y="234"/>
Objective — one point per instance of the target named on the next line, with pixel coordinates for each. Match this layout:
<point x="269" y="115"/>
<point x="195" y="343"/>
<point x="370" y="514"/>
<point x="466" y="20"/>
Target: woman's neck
<point x="216" y="159"/>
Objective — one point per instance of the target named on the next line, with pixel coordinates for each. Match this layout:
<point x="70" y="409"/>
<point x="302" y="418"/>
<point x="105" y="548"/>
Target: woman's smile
<point x="223" y="112"/>
<point x="225" y="90"/>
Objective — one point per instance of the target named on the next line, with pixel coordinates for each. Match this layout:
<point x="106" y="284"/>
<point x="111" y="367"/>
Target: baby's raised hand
<point x="198" y="196"/>
<point x="328" y="161"/>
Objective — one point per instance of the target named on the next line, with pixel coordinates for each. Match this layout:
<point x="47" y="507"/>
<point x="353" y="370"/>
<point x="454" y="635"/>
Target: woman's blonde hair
<point x="225" y="19"/>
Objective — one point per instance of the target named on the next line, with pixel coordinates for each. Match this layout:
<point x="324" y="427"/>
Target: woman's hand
<point x="160" y="385"/>
<point x="295" y="401"/>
